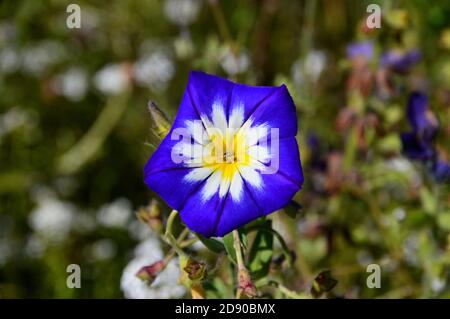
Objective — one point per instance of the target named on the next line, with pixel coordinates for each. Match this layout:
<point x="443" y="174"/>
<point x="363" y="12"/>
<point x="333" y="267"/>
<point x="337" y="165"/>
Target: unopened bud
<point x="324" y="282"/>
<point x="246" y="288"/>
<point x="151" y="215"/>
<point x="161" y="123"/>
<point x="149" y="273"/>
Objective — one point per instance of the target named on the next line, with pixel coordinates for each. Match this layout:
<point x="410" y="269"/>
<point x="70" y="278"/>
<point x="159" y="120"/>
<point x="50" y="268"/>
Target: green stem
<point x="237" y="247"/>
<point x="169" y="235"/>
<point x="85" y="149"/>
<point x="220" y="20"/>
<point x="188" y="242"/>
<point x="286" y="291"/>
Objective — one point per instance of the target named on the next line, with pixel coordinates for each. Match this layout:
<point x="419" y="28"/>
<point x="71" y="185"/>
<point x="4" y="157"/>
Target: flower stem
<point x="246" y="288"/>
<point x="287" y="292"/>
<point x="169" y="235"/>
<point x="238" y="249"/>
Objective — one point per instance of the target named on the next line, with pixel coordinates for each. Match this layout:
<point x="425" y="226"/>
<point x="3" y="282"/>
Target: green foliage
<point x="261" y="252"/>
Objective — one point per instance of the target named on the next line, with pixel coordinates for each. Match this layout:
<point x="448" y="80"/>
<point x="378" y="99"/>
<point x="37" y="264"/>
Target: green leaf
<point x="261" y="252"/>
<point x="212" y="244"/>
<point x="217" y="289"/>
<point x="228" y="243"/>
<point x="444" y="221"/>
<point x="292" y="209"/>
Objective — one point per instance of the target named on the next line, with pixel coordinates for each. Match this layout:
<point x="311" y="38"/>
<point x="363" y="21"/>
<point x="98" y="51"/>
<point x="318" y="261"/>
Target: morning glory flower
<point x="230" y="157"/>
<point x="400" y="62"/>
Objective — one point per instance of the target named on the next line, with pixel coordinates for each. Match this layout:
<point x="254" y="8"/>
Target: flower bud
<point x="195" y="270"/>
<point x="324" y="282"/>
<point x="149" y="273"/>
<point x="161" y="123"/>
<point x="151" y="215"/>
<point x="246" y="288"/>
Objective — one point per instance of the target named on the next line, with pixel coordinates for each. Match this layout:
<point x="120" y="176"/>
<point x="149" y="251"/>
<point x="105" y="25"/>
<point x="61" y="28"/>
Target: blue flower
<point x="400" y="62"/>
<point x="424" y="123"/>
<point x="415" y="148"/>
<point x="228" y="171"/>
<point x="441" y="171"/>
<point x="418" y="144"/>
<point x="360" y="49"/>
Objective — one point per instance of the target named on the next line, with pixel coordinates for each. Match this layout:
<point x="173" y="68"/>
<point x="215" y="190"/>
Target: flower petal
<point x="276" y="111"/>
<point x="219" y="215"/>
<point x="281" y="186"/>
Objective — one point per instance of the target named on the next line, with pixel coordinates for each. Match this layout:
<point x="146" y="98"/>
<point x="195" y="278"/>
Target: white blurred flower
<point x="72" y="84"/>
<point x="232" y="64"/>
<point x="166" y="284"/>
<point x="150" y="248"/>
<point x="410" y="249"/>
<point x="9" y="60"/>
<point x="183" y="46"/>
<point x="311" y="67"/>
<point x="400" y="164"/>
<point x="112" y="79"/>
<point x="13" y="119"/>
<point x="103" y="249"/>
<point x="154" y="70"/>
<point x="36" y="59"/>
<point x="182" y="12"/>
<point x="52" y="218"/>
<point x="437" y="285"/>
<point x="315" y="62"/>
<point x="404" y="166"/>
<point x="399" y="213"/>
<point x="115" y="214"/>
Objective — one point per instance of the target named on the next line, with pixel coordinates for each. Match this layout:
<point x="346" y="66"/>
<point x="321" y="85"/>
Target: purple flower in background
<point x="360" y="49"/>
<point x="423" y="121"/>
<point x="441" y="171"/>
<point x="227" y="175"/>
<point x="400" y="62"/>
<point x="418" y="144"/>
<point x="415" y="148"/>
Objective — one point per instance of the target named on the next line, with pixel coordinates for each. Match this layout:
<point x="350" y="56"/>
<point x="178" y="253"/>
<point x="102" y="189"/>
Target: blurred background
<point x="75" y="134"/>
